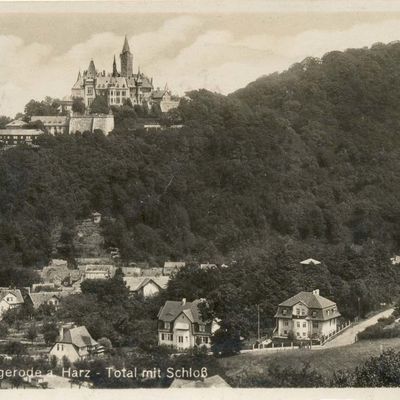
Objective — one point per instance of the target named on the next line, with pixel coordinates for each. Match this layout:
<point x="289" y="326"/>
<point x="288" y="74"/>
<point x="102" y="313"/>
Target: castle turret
<point x="126" y="60"/>
<point x="91" y="72"/>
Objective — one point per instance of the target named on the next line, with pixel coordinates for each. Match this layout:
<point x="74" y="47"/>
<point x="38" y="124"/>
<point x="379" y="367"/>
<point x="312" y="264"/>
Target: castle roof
<point x="125" y="48"/>
<point x="91" y="72"/>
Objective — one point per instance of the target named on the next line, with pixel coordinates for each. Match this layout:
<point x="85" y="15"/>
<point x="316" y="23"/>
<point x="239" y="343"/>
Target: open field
<point x="325" y="361"/>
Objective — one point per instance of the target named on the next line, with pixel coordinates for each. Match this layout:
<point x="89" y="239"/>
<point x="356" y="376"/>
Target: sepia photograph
<point x="200" y="195"/>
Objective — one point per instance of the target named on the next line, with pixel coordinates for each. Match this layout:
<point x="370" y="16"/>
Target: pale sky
<point x="221" y="46"/>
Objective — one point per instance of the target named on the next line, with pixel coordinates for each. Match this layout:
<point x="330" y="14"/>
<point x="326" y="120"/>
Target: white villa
<point x="307" y="315"/>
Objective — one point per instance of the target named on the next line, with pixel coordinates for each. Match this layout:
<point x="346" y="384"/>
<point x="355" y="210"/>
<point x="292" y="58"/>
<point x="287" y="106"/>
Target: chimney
<point x="183" y="301"/>
<point x="316" y="292"/>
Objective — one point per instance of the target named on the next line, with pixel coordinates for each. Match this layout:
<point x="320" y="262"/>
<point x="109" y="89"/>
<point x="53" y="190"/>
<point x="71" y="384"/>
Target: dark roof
<point x="79" y="337"/>
<point x="171" y="309"/>
<point x="40" y="298"/>
<point x="310" y="299"/>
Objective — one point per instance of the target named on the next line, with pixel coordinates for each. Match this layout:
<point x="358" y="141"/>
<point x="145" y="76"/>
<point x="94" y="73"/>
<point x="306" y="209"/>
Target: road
<point x="349" y="335"/>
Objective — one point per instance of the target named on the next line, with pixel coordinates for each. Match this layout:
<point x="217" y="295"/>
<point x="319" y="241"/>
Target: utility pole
<point x="258" y="322"/>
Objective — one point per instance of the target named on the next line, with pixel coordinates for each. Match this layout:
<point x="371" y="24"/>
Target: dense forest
<point x="305" y="163"/>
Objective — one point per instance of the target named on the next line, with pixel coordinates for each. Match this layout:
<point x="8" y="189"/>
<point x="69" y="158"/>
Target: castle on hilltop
<point x="118" y="87"/>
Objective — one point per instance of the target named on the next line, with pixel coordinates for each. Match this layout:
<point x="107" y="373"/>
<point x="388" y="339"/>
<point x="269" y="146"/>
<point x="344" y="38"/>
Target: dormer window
<point x="202" y="328"/>
<point x="167" y="325"/>
<point x="298" y="311"/>
<point x="314" y="314"/>
<point x="284" y="311"/>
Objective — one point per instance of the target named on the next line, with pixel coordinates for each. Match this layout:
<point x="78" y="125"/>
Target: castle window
<point x="89" y="91"/>
<point x="117" y="92"/>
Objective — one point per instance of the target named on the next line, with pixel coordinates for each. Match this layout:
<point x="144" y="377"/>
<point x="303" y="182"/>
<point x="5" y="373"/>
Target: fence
<point x="332" y="335"/>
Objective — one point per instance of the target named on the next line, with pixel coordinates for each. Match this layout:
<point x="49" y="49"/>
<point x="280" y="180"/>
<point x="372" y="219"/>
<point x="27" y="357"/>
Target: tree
<point x="50" y="332"/>
<point x="32" y="332"/>
<point x="4" y="121"/>
<point x="78" y="105"/>
<point x="3" y="329"/>
<point x="99" y="105"/>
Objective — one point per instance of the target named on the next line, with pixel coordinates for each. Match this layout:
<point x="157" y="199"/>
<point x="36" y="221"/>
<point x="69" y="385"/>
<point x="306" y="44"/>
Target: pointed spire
<point x="115" y="71"/>
<point x="125" y="48"/>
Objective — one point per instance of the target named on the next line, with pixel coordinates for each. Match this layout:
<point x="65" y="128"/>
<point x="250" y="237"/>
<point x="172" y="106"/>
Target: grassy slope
<point x="325" y="361"/>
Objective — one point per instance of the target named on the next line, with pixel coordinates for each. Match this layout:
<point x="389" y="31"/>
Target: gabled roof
<point x="17" y="123"/>
<point x="136" y="283"/>
<point x="79" y="337"/>
<point x="173" y="309"/>
<point x="310" y="299"/>
<point x="310" y="261"/>
<point x="16" y="292"/>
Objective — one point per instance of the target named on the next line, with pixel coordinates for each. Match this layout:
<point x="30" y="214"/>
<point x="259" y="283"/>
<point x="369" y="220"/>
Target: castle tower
<point x="126" y="60"/>
<point x="115" y="72"/>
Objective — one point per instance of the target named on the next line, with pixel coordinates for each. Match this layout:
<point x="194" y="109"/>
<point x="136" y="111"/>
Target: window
<point x="303" y="311"/>
<point x="117" y="92"/>
<point x="202" y="328"/>
<point x="314" y="314"/>
<point x="304" y="334"/>
<point x="90" y="91"/>
<point x="205" y="339"/>
<point x="315" y="324"/>
<point x="298" y="311"/>
<point x="304" y="325"/>
<point x="180" y="339"/>
<point x="162" y="337"/>
<point x="298" y="333"/>
<point x="123" y="93"/>
<point x="284" y="311"/>
<point x="286" y="323"/>
<point x="58" y="347"/>
<point x="298" y="324"/>
<point x="285" y="332"/>
<point x="118" y="100"/>
<point x="167" y="325"/>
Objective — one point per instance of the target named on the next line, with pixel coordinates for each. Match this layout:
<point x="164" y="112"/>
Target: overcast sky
<point x="221" y="46"/>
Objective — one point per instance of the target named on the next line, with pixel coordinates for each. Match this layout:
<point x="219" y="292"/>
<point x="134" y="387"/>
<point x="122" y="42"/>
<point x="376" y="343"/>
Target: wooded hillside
<point x="301" y="164"/>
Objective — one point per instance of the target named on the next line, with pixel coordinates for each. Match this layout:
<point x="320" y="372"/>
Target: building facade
<point x="120" y="86"/>
<point x="305" y="316"/>
<point x="181" y="326"/>
<point x="12" y="137"/>
<point x="9" y="299"/>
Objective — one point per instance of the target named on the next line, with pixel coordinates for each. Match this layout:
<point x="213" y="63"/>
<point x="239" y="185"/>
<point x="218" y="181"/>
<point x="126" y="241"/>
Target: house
<point x="51" y="298"/>
<point x="99" y="271"/>
<point x="146" y="286"/>
<point x="9" y="299"/>
<point x="307" y="315"/>
<point x="214" y="381"/>
<point x="310" y="261"/>
<point x="12" y="137"/>
<point x="54" y="124"/>
<point x="181" y="326"/>
<point x="75" y="344"/>
<point x="172" y="267"/>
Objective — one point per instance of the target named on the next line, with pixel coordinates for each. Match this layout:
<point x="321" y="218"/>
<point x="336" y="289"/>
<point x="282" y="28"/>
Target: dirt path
<point x="349" y="335"/>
